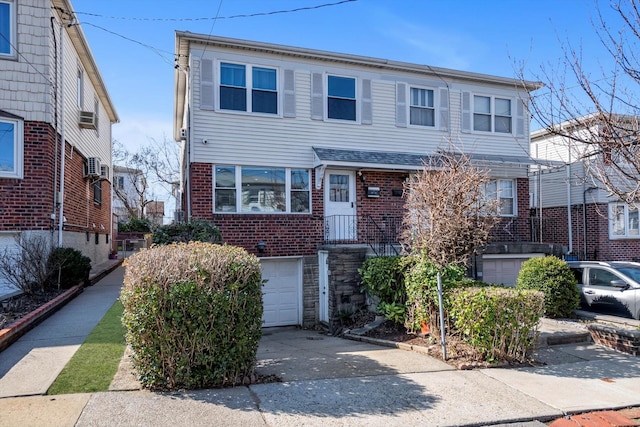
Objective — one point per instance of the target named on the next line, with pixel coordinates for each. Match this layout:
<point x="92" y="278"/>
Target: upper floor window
<point x="248" y="88"/>
<point x="119" y="182"/>
<point x="504" y="191"/>
<point x="7" y="28"/>
<point x="80" y="89"/>
<point x="623" y="221"/>
<point x="422" y="109"/>
<point x="492" y="114"/>
<point x="261" y="189"/>
<point x="341" y="99"/>
<point x="11" y="147"/>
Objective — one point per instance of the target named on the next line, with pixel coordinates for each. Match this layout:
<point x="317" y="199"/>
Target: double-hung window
<point x="341" y="99"/>
<point x="502" y="190"/>
<point x="257" y="189"/>
<point x="421" y="109"/>
<point x="97" y="191"/>
<point x="248" y="88"/>
<point x="7" y="28"/>
<point x="623" y="221"/>
<point x="11" y="147"/>
<point x="492" y="114"/>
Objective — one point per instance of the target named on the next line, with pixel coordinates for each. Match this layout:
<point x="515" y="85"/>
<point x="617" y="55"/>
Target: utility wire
<point x="249" y="15"/>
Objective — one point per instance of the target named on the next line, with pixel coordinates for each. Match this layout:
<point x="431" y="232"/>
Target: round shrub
<point x="70" y="265"/>
<point x="193" y="314"/>
<point x="553" y="277"/>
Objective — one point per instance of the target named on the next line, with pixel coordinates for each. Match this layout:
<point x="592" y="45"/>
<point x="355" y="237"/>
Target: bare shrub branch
<point x="25" y="266"/>
<point x="448" y="218"/>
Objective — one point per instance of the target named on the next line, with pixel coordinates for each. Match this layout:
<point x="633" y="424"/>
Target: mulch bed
<point x="19" y="306"/>
<point x="460" y="354"/>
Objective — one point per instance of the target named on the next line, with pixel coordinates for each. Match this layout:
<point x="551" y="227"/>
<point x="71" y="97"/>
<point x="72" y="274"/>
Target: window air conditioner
<point x="104" y="172"/>
<point x="93" y="166"/>
<point x="87" y="120"/>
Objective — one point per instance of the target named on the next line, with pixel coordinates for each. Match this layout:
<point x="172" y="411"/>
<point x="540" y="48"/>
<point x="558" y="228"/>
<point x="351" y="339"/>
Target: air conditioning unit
<point x="183" y="133"/>
<point x="87" y="120"/>
<point x="93" y="166"/>
<point x="104" y="172"/>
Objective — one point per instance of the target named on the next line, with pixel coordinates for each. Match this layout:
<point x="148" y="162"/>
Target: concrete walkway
<point x="325" y="381"/>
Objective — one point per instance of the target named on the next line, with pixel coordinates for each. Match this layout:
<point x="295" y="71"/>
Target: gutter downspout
<point x="62" y="137"/>
<point x="569" y="221"/>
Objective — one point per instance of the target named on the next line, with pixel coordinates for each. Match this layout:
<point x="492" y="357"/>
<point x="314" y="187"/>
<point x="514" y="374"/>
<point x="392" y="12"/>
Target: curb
<point x="23" y="325"/>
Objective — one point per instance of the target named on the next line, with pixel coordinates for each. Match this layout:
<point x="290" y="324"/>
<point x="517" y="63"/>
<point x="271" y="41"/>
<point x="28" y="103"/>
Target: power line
<point x="249" y="15"/>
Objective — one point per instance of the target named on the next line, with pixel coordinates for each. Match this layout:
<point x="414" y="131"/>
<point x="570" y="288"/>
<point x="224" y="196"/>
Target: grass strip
<point x="93" y="366"/>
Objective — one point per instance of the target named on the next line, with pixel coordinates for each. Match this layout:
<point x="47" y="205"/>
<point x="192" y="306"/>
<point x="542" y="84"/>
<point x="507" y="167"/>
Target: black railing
<point x="381" y="235"/>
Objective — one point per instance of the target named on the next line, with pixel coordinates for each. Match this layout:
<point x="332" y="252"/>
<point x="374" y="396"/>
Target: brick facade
<point x="27" y="204"/>
<point x="595" y="241"/>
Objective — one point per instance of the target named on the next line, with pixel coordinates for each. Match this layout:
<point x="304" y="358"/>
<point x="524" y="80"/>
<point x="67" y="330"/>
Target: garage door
<point x="503" y="270"/>
<point x="281" y="293"/>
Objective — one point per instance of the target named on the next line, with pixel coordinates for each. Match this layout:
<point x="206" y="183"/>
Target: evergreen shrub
<point x="70" y="266"/>
<point x="553" y="277"/>
<point x="193" y="314"/>
<point x="500" y="323"/>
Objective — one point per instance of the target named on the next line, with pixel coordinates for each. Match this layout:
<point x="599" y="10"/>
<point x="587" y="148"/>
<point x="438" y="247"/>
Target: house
<point x="155" y="212"/>
<point x="571" y="198"/>
<point x="300" y="156"/>
<point x="52" y="92"/>
<point x="129" y="193"/>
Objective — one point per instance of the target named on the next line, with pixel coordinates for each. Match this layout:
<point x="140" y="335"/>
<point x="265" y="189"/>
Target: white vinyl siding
<point x="267" y="143"/>
<point x="8" y="39"/>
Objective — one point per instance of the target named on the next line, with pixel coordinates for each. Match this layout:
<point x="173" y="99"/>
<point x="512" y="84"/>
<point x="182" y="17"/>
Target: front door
<point x="340" y="207"/>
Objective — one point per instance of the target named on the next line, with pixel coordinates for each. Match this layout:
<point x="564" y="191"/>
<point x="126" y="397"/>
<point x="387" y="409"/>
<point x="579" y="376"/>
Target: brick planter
<point x="21" y="326"/>
<point x="624" y="340"/>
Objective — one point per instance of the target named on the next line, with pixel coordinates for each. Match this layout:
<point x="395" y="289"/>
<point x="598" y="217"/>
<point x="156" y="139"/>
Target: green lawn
<point x="95" y="363"/>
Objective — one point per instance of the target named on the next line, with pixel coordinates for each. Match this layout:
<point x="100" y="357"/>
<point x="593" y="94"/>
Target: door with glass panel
<point x="340" y="208"/>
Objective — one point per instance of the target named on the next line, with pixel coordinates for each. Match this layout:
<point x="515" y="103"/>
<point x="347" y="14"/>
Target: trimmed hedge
<point x="553" y="277"/>
<point x="193" y="314"/>
<point x="500" y="323"/>
<point x="197" y="230"/>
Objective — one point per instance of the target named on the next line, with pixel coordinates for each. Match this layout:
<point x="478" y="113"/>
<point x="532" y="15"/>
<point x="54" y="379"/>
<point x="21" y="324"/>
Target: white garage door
<point x="503" y="270"/>
<point x="281" y="294"/>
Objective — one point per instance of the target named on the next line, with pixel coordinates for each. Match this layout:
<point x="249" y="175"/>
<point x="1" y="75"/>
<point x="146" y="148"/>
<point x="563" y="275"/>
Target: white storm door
<point x="340" y="206"/>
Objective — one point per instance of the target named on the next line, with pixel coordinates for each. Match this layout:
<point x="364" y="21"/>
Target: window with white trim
<point x="492" y="114"/>
<point x="7" y="28"/>
<point x="248" y="88"/>
<point x="504" y="191"/>
<point x="80" y="88"/>
<point x="257" y="189"/>
<point x="623" y="221"/>
<point x="341" y="98"/>
<point x="11" y="147"/>
<point x="422" y="110"/>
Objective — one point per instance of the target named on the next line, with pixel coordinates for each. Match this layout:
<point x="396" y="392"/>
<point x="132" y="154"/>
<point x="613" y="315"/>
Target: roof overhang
<point x="79" y="41"/>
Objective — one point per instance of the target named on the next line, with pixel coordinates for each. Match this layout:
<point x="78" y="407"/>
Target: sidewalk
<point x="326" y="381"/>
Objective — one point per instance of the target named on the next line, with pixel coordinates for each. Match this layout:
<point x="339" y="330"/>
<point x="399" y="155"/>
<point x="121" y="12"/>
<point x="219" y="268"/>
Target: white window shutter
<point x="401" y="105"/>
<point x="520" y="123"/>
<point x="444" y="109"/>
<point x="367" y="107"/>
<point x="289" y="94"/>
<point x="466" y="112"/>
<point x="206" y="84"/>
<point x="317" y="96"/>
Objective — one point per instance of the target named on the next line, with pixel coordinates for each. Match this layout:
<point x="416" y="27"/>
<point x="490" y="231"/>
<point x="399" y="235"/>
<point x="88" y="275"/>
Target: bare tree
<point x="448" y="216"/>
<point x="154" y="164"/>
<point x="597" y="117"/>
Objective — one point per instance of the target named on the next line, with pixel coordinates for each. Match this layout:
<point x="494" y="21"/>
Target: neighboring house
<point x="576" y="210"/>
<point x="52" y="90"/>
<point x="129" y="193"/>
<point x="154" y="212"/>
<point x="300" y="156"/>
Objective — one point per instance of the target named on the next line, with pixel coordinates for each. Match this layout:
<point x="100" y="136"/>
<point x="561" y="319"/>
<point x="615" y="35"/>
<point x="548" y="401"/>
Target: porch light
<point x="262" y="246"/>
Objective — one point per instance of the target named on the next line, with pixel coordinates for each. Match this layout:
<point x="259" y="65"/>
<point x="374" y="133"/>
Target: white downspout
<point x="62" y="143"/>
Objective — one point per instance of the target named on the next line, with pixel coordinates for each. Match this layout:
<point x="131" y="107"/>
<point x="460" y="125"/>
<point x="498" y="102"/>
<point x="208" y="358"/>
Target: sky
<point x="133" y="41"/>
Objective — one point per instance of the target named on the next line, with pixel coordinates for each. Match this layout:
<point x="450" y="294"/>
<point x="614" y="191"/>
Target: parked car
<point x="611" y="287"/>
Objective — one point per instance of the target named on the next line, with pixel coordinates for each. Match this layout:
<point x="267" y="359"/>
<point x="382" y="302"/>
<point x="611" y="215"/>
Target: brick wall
<point x="596" y="239"/>
<point x="515" y="229"/>
<point x="26" y="204"/>
<point x="344" y="283"/>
